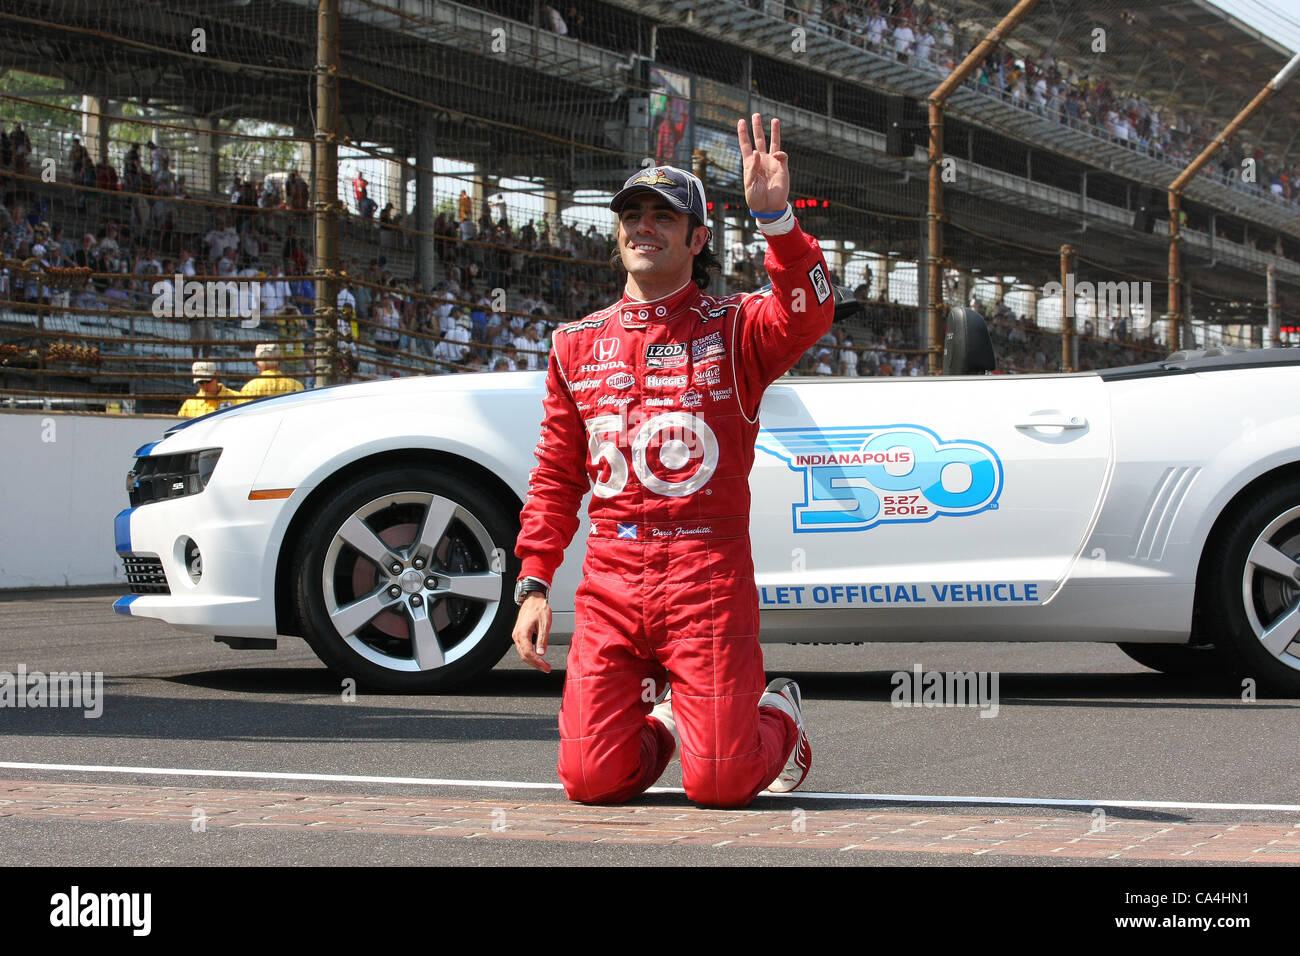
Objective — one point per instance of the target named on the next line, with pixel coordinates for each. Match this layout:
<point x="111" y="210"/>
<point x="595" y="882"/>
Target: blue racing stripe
<point x="145" y="449"/>
<point x="122" y="531"/>
<point x="123" y="604"/>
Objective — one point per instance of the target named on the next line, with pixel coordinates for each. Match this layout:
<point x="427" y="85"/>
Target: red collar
<point x="637" y="314"/>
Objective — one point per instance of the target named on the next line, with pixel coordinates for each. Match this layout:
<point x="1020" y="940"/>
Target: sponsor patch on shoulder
<point x="821" y="286"/>
<point x="579" y="326"/>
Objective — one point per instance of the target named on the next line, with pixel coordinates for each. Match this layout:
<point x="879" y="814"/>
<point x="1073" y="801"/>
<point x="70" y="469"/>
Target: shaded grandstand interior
<point x="560" y="113"/>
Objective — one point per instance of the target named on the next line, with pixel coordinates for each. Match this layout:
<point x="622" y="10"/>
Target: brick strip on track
<point x="790" y="827"/>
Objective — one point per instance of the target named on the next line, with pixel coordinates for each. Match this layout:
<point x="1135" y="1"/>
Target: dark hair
<point x="704" y="263"/>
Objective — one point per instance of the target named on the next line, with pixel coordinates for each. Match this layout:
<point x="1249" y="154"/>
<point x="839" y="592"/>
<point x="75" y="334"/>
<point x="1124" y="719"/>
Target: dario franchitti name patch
<point x="665" y="355"/>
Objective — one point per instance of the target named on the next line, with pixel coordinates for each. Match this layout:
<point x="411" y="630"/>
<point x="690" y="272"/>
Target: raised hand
<point x="767" y="170"/>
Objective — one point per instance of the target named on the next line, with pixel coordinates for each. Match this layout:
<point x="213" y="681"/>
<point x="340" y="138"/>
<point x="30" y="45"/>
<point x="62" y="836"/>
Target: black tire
<point x="1251" y="594"/>
<point x="1180" y="660"/>
<point x="424" y="639"/>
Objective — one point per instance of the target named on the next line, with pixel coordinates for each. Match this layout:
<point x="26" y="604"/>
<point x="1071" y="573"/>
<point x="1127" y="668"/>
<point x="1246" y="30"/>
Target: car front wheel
<point x="1254" y="592"/>
<point x="402" y="581"/>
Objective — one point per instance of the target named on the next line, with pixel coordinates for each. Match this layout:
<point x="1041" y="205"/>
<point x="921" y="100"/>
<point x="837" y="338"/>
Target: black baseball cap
<point x="682" y="189"/>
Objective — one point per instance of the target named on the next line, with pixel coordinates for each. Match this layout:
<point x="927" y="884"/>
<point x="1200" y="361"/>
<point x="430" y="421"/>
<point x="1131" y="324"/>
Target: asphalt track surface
<point x="238" y="757"/>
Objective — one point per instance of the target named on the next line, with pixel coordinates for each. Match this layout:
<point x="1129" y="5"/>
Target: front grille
<point x="144" y="572"/>
<point x="159" y="477"/>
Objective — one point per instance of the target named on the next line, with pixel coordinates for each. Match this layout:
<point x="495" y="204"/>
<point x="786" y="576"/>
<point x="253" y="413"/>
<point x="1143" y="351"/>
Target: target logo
<point x="683" y="458"/>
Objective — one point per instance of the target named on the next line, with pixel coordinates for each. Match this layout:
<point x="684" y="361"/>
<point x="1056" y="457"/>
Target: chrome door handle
<point x="1055" y="421"/>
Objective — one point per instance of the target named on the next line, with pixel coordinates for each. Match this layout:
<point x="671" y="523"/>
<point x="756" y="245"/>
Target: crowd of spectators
<point x="1021" y="346"/>
<point x="918" y="33"/>
<point x="505" y="291"/>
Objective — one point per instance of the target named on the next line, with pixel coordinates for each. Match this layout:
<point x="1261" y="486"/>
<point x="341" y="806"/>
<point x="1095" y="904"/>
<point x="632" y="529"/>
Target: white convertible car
<point x="1153" y="506"/>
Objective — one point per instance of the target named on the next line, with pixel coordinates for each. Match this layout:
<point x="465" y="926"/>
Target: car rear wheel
<point x="1254" y="591"/>
<point x="403" y="581"/>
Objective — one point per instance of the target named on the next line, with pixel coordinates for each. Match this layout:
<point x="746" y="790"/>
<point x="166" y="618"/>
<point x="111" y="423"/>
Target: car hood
<point x="396" y="389"/>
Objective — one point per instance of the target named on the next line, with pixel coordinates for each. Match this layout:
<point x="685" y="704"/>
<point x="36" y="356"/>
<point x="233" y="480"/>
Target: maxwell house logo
<point x="858" y="477"/>
<point x="653" y="177"/>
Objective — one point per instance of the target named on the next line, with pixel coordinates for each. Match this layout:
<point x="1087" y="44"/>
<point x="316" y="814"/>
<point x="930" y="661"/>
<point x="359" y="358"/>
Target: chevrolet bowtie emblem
<point x="652" y="177"/>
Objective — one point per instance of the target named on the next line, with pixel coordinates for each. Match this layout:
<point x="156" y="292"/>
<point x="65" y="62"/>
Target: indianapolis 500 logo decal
<point x="858" y="477"/>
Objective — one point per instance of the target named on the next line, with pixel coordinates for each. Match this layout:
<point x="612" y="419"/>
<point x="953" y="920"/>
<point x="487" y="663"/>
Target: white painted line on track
<point x="527" y="785"/>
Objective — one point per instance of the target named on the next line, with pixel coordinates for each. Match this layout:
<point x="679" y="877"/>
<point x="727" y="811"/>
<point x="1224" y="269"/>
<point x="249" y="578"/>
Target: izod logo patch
<point x="665" y="355"/>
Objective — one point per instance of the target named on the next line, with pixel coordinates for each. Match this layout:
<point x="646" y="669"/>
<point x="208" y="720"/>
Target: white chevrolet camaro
<point x="1153" y="506"/>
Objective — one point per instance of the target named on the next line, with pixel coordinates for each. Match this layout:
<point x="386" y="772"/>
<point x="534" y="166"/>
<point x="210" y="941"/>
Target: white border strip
<point x="525" y="785"/>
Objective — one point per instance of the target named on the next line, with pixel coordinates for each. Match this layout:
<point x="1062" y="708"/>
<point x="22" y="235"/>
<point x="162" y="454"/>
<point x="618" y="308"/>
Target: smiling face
<point x="653" y="243"/>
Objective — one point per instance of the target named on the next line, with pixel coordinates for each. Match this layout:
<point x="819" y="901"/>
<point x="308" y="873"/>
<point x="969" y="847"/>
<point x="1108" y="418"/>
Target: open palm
<point x="767" y="169"/>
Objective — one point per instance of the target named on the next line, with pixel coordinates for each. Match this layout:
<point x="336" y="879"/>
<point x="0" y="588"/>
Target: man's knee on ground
<point x="720" y="789"/>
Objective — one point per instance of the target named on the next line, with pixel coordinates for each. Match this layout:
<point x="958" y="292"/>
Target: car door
<point x="926" y="492"/>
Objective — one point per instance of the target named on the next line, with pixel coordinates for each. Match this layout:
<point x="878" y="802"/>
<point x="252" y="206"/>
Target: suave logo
<point x="856" y="478"/>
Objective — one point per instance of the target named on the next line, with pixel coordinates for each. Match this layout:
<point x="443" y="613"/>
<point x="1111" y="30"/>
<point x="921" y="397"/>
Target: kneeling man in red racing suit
<point x="654" y="403"/>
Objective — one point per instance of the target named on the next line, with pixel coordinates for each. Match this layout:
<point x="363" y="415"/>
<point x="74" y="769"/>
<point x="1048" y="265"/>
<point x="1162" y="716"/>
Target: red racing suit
<point x="654" y="405"/>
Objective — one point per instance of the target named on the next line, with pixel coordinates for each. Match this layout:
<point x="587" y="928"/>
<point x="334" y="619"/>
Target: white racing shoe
<point x="663" y="712"/>
<point x="783" y="694"/>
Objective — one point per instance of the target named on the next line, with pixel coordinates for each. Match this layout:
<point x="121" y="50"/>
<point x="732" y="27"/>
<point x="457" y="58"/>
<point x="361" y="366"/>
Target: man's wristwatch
<point x="527" y="586"/>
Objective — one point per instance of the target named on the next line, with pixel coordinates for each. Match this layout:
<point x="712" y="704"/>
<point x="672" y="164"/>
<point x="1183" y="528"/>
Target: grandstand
<point x="478" y="143"/>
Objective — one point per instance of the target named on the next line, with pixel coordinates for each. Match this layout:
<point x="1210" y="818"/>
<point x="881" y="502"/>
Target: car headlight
<point x="160" y="477"/>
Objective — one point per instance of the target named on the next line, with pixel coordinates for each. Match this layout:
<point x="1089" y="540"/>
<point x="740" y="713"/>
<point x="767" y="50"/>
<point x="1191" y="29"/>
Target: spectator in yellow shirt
<point x="212" y="396"/>
<point x="269" y="380"/>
